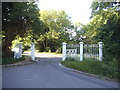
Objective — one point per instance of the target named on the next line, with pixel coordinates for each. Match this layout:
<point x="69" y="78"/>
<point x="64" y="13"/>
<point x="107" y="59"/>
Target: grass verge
<point x="96" y="67"/>
<point x="11" y="60"/>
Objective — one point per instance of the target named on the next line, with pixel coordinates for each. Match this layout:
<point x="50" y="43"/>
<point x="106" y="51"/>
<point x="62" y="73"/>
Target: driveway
<point x="46" y="73"/>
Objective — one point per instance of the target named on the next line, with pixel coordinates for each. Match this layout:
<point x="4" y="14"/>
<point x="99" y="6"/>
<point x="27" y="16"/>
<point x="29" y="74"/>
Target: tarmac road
<point x="46" y="73"/>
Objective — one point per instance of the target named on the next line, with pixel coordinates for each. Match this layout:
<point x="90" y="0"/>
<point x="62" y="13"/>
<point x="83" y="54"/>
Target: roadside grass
<point x="11" y="60"/>
<point x="109" y="69"/>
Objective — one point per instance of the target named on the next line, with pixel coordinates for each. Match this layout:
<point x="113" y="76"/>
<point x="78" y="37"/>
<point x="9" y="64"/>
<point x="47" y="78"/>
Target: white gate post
<point x="20" y="50"/>
<point x="32" y="51"/>
<point x="63" y="51"/>
<point x="81" y="51"/>
<point x="100" y="51"/>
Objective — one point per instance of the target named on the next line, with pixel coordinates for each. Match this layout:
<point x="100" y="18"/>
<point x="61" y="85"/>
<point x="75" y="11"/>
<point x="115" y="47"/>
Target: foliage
<point x="70" y="59"/>
<point x="104" y="26"/>
<point x="98" y="7"/>
<point x="77" y="32"/>
<point x="55" y="30"/>
<point x="59" y="50"/>
<point x="11" y="60"/>
<point x="110" y="70"/>
<point x="18" y="18"/>
<point x="26" y="42"/>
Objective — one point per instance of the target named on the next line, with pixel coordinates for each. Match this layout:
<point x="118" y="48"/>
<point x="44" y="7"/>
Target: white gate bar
<point x="20" y="50"/>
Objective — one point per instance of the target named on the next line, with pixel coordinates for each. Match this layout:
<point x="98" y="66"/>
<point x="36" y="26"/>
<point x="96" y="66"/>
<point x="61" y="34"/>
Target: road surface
<point x="48" y="74"/>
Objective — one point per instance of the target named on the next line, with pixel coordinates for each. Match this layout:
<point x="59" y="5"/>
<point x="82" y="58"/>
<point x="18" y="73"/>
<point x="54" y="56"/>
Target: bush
<point x="108" y="69"/>
<point x="70" y="59"/>
<point x="111" y="52"/>
<point x="90" y="66"/>
<point x="59" y="50"/>
<point x="111" y="69"/>
<point x="4" y="54"/>
<point x="11" y="60"/>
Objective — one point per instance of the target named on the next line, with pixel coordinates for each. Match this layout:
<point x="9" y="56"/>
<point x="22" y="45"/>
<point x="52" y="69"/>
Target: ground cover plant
<point x="106" y="69"/>
<point x="11" y="60"/>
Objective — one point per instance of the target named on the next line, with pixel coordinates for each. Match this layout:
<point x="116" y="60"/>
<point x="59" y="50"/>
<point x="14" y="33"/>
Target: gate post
<point x="20" y="50"/>
<point x="63" y="51"/>
<point x="100" y="51"/>
<point x="81" y="51"/>
<point x="32" y="51"/>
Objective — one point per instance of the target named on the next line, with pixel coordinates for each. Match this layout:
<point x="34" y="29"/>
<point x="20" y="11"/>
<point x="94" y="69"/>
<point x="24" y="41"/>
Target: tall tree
<point x="56" y="29"/>
<point x="105" y="26"/>
<point x="98" y="7"/>
<point x="17" y="19"/>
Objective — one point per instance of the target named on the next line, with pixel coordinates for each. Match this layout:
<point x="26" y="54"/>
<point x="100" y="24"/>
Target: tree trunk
<point x="6" y="50"/>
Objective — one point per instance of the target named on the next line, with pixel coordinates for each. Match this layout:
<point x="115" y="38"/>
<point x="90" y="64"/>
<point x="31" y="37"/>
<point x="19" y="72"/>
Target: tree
<point x="56" y="29"/>
<point x="18" y="18"/>
<point x="98" y="7"/>
<point x="79" y="30"/>
<point x="105" y="26"/>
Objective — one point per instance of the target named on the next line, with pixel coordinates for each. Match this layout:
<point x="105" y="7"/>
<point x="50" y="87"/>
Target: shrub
<point x="11" y="60"/>
<point x="108" y="69"/>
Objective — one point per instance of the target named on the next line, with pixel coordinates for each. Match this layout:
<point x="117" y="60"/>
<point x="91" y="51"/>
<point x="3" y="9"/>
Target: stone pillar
<point x="20" y="50"/>
<point x="100" y="51"/>
<point x="81" y="51"/>
<point x="33" y="51"/>
<point x="63" y="51"/>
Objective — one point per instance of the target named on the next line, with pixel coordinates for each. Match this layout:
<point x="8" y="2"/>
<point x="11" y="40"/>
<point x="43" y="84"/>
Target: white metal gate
<point x="91" y="51"/>
<point x="72" y="51"/>
<point x="82" y="51"/>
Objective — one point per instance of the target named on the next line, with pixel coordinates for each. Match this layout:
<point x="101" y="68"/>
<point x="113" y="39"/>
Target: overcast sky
<point x="79" y="10"/>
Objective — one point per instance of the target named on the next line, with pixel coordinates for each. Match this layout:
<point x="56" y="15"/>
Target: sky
<point x="79" y="10"/>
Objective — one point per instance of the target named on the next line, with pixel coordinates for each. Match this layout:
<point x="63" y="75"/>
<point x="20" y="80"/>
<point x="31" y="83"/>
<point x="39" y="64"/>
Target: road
<point x="48" y="74"/>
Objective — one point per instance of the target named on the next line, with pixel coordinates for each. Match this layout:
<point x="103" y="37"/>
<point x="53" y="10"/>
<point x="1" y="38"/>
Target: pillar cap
<point x="64" y="43"/>
<point x="100" y="42"/>
<point x="32" y="43"/>
<point x="81" y="43"/>
<point x="20" y="43"/>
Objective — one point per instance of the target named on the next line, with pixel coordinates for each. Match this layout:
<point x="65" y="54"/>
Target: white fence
<point x="91" y="51"/>
<point x="82" y="51"/>
<point x="18" y="51"/>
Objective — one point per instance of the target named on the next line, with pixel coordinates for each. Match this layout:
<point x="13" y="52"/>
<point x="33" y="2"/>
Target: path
<point x="48" y="74"/>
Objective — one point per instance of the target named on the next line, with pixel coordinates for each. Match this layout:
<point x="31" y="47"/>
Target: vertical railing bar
<point x="93" y="52"/>
<point x="97" y="52"/>
<point x="87" y="48"/>
<point x="90" y="51"/>
<point x="84" y="52"/>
